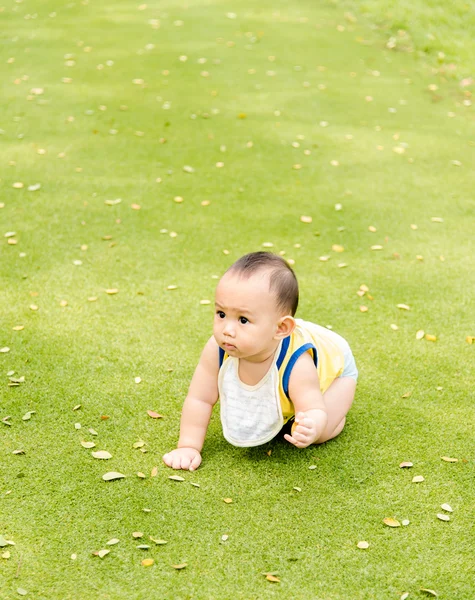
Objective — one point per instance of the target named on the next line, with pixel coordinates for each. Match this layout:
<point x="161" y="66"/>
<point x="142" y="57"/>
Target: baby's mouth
<point x="229" y="346"/>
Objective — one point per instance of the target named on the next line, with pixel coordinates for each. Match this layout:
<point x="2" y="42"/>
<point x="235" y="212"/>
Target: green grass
<point x="53" y="502"/>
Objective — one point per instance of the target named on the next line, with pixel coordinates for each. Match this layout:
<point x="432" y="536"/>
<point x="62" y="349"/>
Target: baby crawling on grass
<point x="266" y="367"/>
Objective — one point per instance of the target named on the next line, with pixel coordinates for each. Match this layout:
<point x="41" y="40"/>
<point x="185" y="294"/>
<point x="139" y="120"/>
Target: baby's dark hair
<point x="282" y="279"/>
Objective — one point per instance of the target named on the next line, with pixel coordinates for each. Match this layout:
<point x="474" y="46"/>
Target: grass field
<point x="357" y="114"/>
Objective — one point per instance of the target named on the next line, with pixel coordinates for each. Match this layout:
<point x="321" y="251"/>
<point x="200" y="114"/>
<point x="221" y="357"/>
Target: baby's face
<point x="246" y="317"/>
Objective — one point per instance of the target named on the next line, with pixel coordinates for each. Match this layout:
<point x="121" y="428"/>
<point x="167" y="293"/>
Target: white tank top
<point x="251" y="415"/>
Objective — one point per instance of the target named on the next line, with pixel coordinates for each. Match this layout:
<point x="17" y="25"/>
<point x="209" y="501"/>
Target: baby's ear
<point x="285" y="326"/>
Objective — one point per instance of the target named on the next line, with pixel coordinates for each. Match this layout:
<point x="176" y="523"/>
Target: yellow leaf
<point x="20" y="327"/>
<point x="147" y="562"/>
<point x="406" y="465"/>
<point x="363" y="545"/>
<point x="418" y="479"/>
<point x="420" y="334"/>
<point x="430" y="592"/>
<point x="372" y="228"/>
<point x="141" y="475"/>
<point x="337" y="248"/>
<point x="406" y="395"/>
<point x="404" y="306"/>
<point x="178" y="567"/>
<point x="430" y="338"/>
<point x="306" y="219"/>
<point x="469" y="339"/>
<point x="450" y="460"/>
<point x="394" y="327"/>
<point x="228" y="500"/>
<point x="112" y="291"/>
<point x="390" y="522"/>
<point x="447" y="507"/>
<point x="137" y="534"/>
<point x="377" y="247"/>
<point x="363" y="308"/>
<point x="272" y="578"/>
<point x="154" y="472"/>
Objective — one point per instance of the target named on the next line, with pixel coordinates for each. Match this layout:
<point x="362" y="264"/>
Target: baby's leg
<point x="338" y="400"/>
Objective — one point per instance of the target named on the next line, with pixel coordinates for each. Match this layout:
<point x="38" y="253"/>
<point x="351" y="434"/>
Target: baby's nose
<point x="229" y="329"/>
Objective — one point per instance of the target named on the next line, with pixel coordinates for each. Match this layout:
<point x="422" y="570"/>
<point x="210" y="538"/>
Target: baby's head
<point x="256" y="300"/>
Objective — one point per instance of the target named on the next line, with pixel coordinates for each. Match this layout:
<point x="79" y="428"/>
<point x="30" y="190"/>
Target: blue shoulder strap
<point x="283" y="352"/>
<point x="293" y="359"/>
<point x="221" y="357"/>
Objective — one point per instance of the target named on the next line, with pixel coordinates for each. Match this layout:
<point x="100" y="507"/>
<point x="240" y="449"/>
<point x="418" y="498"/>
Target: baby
<point x="266" y="367"/>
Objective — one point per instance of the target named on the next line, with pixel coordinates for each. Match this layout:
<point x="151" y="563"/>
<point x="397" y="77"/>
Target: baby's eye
<point x="220" y="314"/>
<point x="243" y="320"/>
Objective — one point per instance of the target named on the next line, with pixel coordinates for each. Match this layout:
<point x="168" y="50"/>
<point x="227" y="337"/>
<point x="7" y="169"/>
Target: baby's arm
<point x="202" y="396"/>
<point x="310" y="411"/>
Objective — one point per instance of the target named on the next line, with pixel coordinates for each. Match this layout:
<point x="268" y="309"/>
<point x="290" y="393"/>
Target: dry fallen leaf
<point x="443" y="517"/>
<point x="337" y="248"/>
<point x="420" y="334"/>
<point x="112" y="542"/>
<point x="406" y="465"/>
<point x="154" y="472"/>
<point x="147" y="562"/>
<point x="102" y="553"/>
<point x="450" y="460"/>
<point x="102" y="454"/>
<point x="154" y="415"/>
<point x="430" y="338"/>
<point x="228" y="500"/>
<point x="112" y="475"/>
<point x="406" y="395"/>
<point x="417" y="479"/>
<point x="430" y="592"/>
<point x="112" y="291"/>
<point x="272" y="578"/>
<point x="447" y="507"/>
<point x="404" y="306"/>
<point x="306" y="219"/>
<point x="176" y="478"/>
<point x="181" y="566"/>
<point x="390" y="522"/>
<point x="297" y="489"/>
<point x="363" y="545"/>
<point x="158" y="541"/>
<point x="87" y="444"/>
<point x="137" y="534"/>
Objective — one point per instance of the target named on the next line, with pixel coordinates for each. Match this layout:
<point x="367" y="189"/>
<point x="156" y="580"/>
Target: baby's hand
<point x="304" y="431"/>
<point x="183" y="458"/>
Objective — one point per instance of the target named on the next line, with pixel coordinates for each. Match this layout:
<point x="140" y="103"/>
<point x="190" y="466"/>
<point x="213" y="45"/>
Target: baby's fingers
<point x="195" y="463"/>
<point x="292" y="440"/>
